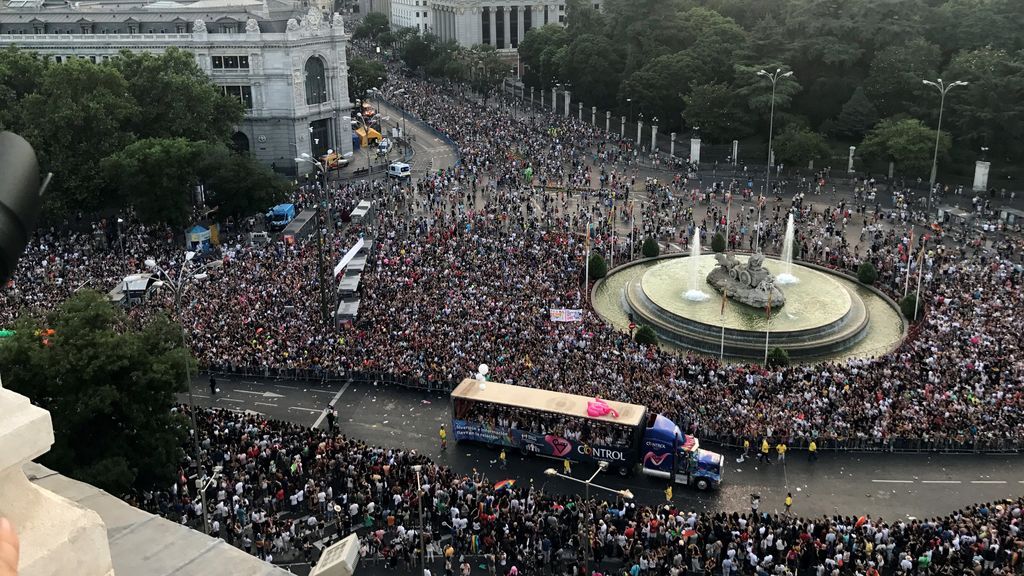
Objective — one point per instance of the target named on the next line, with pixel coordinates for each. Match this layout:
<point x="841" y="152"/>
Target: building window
<point x="242" y="93"/>
<point x="180" y="28"/>
<point x="231" y="62"/>
<point x="485" y="25"/>
<point x="37" y="30"/>
<point x="218" y="62"/>
<point x="527" y="19"/>
<point x="499" y="29"/>
<point x="316" y="81"/>
<point x="58" y="59"/>
<point x="243" y="62"/>
<point x="132" y="29"/>
<point x="561" y="18"/>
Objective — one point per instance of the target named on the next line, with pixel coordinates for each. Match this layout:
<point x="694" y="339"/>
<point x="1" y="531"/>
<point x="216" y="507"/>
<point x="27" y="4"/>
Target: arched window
<point x="316" y="81"/>
<point x="240" y="142"/>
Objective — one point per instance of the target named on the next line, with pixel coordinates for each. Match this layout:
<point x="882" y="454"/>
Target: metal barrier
<point x="332" y="376"/>
<point x="963" y="445"/>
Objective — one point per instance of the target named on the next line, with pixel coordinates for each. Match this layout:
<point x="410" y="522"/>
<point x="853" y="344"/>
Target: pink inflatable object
<point x="598" y="407"/>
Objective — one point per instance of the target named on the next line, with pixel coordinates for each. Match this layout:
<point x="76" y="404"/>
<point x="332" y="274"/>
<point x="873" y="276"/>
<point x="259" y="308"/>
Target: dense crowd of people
<point x="467" y="264"/>
<point x="283" y="487"/>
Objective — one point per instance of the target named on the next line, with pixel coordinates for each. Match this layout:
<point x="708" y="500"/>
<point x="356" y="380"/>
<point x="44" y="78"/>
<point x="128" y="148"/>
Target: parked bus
<point x="581" y="429"/>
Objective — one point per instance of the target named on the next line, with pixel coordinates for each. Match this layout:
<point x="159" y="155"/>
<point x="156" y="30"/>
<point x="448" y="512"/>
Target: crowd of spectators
<point x="284" y="489"/>
<point x="467" y="264"/>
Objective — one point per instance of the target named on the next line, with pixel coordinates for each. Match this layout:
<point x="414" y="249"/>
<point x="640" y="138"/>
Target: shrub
<point x="597" y="267"/>
<point x="907" y="305"/>
<point x="778" y="357"/>
<point x="718" y="243"/>
<point x="650" y="248"/>
<point x="645" y="335"/>
<point x="867" y="273"/>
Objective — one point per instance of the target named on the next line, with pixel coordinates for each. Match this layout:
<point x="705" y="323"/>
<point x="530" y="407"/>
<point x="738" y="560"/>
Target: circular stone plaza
<point x="826" y="316"/>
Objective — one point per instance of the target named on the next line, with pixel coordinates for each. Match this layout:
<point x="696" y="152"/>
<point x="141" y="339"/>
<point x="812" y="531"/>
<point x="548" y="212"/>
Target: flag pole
<point x="586" y="264"/>
<point x="721" y="317"/>
<point x="768" y="325"/>
<point x="917" y="296"/>
<point x="910" y="246"/>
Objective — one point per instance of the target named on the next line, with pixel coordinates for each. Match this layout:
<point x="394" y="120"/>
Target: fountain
<point x="695" y="294"/>
<point x="787" y="277"/>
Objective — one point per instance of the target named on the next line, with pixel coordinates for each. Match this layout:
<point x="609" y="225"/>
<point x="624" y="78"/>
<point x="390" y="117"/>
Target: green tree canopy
<point x="857" y="117"/>
<point x="989" y="111"/>
<point x="894" y="82"/>
<point x="175" y="98"/>
<point x="77" y="115"/>
<point x="236" y="184"/>
<point x="20" y="75"/>
<point x="156" y="176"/>
<point x="907" y="143"/>
<point x="372" y="26"/>
<point x="798" y="146"/>
<point x="714" y="109"/>
<point x="363" y="74"/>
<point x="597" y="268"/>
<point x="108" y="388"/>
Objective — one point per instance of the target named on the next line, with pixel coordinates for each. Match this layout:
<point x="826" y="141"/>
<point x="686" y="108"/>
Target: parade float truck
<point x="590" y="430"/>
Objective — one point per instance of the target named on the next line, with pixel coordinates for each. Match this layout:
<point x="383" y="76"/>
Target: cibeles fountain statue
<point x="747" y="282"/>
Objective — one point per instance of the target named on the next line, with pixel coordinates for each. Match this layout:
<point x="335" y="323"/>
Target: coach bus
<point x="581" y="429"/>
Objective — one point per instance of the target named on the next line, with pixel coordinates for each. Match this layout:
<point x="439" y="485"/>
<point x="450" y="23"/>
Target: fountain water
<point x="695" y="294"/>
<point x="787" y="256"/>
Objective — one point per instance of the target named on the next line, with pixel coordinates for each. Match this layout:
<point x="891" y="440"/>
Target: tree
<point x="583" y="56"/>
<point x="718" y="243"/>
<point x="650" y="248"/>
<point x="989" y="111"/>
<point x="108" y="388"/>
<point x="756" y="91"/>
<point x="175" y="98"/>
<point x="486" y="69"/>
<point x="714" y="109"/>
<point x="798" y="146"/>
<point x="156" y="176"/>
<point x="236" y="184"/>
<point x="894" y="82"/>
<point x="867" y="274"/>
<point x="646" y="335"/>
<point x="363" y="75"/>
<point x="20" y="75"/>
<point x="907" y="143"/>
<point x="540" y="53"/>
<point x="856" y="118"/>
<point x="778" y="358"/>
<point x="597" y="268"/>
<point x="77" y="115"/>
<point x="372" y="26"/>
<point x="907" y="305"/>
<point x="419" y="50"/>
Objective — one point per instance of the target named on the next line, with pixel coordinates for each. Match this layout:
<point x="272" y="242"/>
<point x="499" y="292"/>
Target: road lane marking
<point x="323" y="413"/>
<point x="988" y="481"/>
<point x="893" y="481"/>
<point x="306" y="409"/>
<point x="941" y="481"/>
<point x="285" y="386"/>
<point x="323" y="391"/>
<point x="200" y="396"/>
<point x="262" y="394"/>
<point x="264" y="404"/>
<point x="230" y="400"/>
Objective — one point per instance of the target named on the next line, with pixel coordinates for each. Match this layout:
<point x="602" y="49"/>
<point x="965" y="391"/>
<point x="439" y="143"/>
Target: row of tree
<point x="856" y="64"/>
<point x="140" y="130"/>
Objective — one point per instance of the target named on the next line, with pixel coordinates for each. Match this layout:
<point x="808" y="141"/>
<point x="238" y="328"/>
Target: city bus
<point x="581" y="429"/>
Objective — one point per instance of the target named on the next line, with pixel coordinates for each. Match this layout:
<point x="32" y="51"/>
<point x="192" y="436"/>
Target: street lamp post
<point x="943" y="89"/>
<point x="624" y="494"/>
<point x="178" y="287"/>
<point x="771" y="128"/>
<point x="419" y="492"/>
<point x="321" y="241"/>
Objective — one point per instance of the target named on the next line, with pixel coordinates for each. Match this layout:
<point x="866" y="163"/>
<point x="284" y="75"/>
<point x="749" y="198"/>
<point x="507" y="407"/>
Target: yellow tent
<point x="368" y="136"/>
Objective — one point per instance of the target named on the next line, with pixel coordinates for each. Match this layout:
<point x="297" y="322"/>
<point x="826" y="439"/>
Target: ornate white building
<point x="285" y="60"/>
<point x="501" y="24"/>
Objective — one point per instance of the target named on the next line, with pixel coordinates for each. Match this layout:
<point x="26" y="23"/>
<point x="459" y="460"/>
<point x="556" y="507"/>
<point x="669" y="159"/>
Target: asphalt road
<point x="885" y="485"/>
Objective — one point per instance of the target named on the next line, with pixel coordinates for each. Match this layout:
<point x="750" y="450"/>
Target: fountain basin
<point x="826" y="315"/>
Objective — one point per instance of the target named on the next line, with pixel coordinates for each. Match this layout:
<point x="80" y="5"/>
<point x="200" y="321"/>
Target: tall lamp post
<point x="320" y="240"/>
<point x="625" y="494"/>
<point x="943" y="88"/>
<point x="178" y="285"/>
<point x="771" y="128"/>
<point x="419" y="493"/>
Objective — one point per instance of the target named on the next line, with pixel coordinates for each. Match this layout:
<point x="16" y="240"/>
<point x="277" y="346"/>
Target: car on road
<point x="399" y="170"/>
<point x="384" y="146"/>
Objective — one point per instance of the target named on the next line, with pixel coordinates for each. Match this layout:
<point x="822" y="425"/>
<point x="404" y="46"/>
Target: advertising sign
<point x="543" y="444"/>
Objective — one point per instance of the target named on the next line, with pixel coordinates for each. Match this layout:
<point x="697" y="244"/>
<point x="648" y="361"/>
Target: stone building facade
<point x="285" y="60"/>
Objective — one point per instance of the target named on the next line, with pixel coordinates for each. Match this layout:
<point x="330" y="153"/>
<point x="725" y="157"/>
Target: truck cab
<point x="279" y="216"/>
<point x="664" y="448"/>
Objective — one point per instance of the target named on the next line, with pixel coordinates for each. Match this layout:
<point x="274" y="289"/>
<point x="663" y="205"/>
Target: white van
<point x="383" y="147"/>
<point x="399" y="170"/>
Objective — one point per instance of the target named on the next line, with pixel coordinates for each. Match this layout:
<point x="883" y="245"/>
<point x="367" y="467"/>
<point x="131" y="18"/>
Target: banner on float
<point x="348" y="257"/>
<point x="566" y="315"/>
